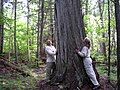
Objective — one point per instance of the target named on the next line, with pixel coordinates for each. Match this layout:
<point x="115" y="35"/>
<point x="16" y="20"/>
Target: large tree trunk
<point x="1" y="26"/>
<point x="117" y="15"/>
<point x="70" y="32"/>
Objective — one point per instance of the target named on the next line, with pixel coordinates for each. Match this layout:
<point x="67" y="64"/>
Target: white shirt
<point x="85" y="53"/>
<point x="51" y="53"/>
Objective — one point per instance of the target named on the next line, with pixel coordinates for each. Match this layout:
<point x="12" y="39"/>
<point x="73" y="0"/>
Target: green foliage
<point x="1" y="18"/>
<point x="103" y="70"/>
<point x="17" y="82"/>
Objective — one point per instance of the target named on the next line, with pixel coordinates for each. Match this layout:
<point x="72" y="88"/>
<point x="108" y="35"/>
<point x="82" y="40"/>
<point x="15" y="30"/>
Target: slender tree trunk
<point x="109" y="33"/>
<point x="1" y="26"/>
<point x="86" y="7"/>
<point x="102" y="45"/>
<point x="51" y="20"/>
<point x="9" y="49"/>
<point x="113" y="46"/>
<point x="15" y="41"/>
<point x="41" y="26"/>
<point x="38" y="35"/>
<point x="28" y="39"/>
<point x="70" y="32"/>
<point x="117" y="15"/>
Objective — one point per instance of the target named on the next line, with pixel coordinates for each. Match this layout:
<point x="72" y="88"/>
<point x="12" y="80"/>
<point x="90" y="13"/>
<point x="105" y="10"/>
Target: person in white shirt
<point x="85" y="53"/>
<point x="51" y="59"/>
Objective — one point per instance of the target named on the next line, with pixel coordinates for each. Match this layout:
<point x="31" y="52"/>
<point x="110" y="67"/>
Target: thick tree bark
<point x="1" y="26"/>
<point x="70" y="32"/>
<point x="117" y="15"/>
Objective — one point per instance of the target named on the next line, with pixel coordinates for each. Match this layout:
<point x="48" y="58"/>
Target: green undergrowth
<point x="16" y="81"/>
<point x="7" y="82"/>
<point x="103" y="71"/>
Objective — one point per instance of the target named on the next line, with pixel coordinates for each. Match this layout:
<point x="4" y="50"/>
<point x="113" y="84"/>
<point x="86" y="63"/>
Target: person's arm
<point x="49" y="51"/>
<point x="83" y="53"/>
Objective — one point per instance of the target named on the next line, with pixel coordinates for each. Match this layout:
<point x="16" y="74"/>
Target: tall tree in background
<point x="109" y="43"/>
<point x="28" y="22"/>
<point x="38" y="35"/>
<point x="40" y="30"/>
<point x="41" y="26"/>
<point x="15" y="41"/>
<point x="51" y="19"/>
<point x="117" y="15"/>
<point x="102" y="45"/>
<point x="70" y="32"/>
<point x="86" y="7"/>
<point x="1" y="26"/>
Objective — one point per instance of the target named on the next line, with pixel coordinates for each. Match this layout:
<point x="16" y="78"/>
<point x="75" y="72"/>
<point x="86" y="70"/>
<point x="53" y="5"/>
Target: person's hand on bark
<point x="76" y="50"/>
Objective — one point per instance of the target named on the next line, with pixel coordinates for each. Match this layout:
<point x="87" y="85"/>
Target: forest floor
<point x="20" y="76"/>
<point x="13" y="79"/>
<point x="104" y="85"/>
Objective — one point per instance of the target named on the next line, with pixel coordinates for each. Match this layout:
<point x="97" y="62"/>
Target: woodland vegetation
<point x="25" y="25"/>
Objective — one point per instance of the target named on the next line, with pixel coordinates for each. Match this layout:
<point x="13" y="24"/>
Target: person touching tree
<point x="51" y="59"/>
<point x="85" y="53"/>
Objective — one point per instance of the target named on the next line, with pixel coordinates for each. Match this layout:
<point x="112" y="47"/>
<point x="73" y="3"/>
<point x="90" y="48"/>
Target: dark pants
<point x="50" y="70"/>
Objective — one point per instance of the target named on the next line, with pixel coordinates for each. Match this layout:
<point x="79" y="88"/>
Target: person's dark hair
<point x="87" y="42"/>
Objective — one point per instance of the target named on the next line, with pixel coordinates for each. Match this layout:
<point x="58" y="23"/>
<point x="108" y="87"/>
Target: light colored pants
<point x="50" y="70"/>
<point x="90" y="71"/>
